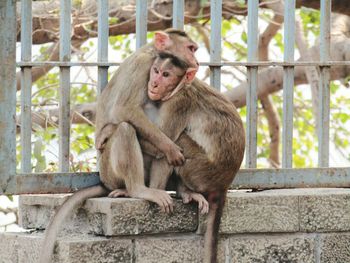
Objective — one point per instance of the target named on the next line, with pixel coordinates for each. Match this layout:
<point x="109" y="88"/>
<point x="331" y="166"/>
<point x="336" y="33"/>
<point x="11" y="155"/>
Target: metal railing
<point x="27" y="182"/>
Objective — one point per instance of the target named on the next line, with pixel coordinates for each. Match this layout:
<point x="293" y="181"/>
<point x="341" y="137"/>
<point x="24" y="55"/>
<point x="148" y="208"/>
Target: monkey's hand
<point x="174" y="155"/>
<point x="100" y="142"/>
<point x="189" y="196"/>
<point x="103" y="136"/>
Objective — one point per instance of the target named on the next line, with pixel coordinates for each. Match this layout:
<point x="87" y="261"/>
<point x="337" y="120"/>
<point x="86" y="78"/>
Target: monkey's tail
<point x="216" y="204"/>
<point x="57" y="220"/>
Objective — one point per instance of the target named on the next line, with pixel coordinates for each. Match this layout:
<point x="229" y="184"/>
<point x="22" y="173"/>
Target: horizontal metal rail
<point x="245" y="179"/>
<point x="222" y="64"/>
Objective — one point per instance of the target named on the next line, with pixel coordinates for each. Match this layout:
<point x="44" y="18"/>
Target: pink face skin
<point x="164" y="78"/>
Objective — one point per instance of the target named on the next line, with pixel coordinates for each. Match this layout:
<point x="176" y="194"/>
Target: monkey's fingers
<point x="175" y="156"/>
<point x="186" y="198"/>
<point x="99" y="144"/>
<point x="118" y="193"/>
<point x="203" y="204"/>
<point x="166" y="203"/>
<point x="204" y="207"/>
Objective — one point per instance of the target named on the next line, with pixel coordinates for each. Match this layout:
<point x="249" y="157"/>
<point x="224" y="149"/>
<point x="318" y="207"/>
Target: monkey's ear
<point x="190" y="74"/>
<point x="161" y="40"/>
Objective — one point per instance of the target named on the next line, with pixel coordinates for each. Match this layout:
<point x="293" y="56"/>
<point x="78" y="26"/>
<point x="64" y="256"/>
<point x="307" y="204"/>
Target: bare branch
<point x="270" y="110"/>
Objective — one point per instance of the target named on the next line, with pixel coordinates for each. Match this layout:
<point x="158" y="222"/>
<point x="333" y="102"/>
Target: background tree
<point x="234" y="43"/>
<point x="197" y="19"/>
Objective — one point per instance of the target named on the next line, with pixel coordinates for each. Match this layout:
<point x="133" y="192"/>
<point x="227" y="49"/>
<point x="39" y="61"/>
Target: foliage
<point x="234" y="48"/>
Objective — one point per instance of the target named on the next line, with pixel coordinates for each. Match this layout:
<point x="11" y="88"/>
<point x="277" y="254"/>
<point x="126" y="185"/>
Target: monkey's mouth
<point x="153" y="95"/>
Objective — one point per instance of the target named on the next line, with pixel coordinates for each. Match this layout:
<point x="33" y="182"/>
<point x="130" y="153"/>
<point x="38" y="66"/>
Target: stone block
<point x="35" y="212"/>
<point x="94" y="250"/>
<point x="255" y="212"/>
<point x="175" y="248"/>
<point x="8" y="248"/>
<point x="335" y="248"/>
<point x="272" y="249"/>
<point x="325" y="210"/>
<point x="128" y="216"/>
<point x="29" y="247"/>
<point x="25" y="248"/>
<point x="109" y="216"/>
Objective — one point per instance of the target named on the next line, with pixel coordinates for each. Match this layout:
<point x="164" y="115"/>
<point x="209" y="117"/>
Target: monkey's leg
<point x="151" y="132"/>
<point x="160" y="173"/>
<point x="126" y="164"/>
<point x="202" y="175"/>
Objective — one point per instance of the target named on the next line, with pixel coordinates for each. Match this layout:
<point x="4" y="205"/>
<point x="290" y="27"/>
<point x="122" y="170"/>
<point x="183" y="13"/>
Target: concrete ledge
<point x="271" y="211"/>
<point x="108" y="216"/>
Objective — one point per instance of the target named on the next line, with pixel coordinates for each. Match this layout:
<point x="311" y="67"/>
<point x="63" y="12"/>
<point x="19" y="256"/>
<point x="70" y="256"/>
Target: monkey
<point x="120" y="103"/>
<point x="209" y="130"/>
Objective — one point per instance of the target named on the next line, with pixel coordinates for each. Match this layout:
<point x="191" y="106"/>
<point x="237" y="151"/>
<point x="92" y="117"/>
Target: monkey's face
<point x="164" y="77"/>
<point x="179" y="45"/>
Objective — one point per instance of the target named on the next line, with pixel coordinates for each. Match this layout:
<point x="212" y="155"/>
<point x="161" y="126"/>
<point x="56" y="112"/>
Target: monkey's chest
<point x="152" y="112"/>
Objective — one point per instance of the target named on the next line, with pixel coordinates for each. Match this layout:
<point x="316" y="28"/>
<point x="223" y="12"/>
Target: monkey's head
<point x="178" y="43"/>
<point x="167" y="76"/>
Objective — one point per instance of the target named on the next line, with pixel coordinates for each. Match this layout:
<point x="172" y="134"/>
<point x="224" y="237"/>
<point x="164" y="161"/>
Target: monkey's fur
<point x="121" y="103"/>
<point x="210" y="131"/>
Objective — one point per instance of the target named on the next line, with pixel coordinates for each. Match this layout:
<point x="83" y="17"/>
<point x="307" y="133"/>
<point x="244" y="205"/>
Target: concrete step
<point x="272" y="211"/>
<point x="181" y="248"/>
<point x="108" y="216"/>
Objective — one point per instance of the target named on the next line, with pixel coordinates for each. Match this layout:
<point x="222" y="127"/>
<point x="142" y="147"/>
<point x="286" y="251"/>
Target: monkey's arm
<point x="150" y="149"/>
<point x="174" y="115"/>
<point x="149" y="131"/>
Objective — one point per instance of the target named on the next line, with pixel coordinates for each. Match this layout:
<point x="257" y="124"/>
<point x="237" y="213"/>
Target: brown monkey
<point x="121" y="103"/>
<point x="209" y="130"/>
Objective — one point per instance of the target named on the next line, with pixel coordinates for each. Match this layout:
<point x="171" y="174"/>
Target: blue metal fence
<point x="27" y="182"/>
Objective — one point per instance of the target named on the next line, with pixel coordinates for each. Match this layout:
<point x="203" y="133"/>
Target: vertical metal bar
<point x="252" y="98"/>
<point x="288" y="84"/>
<point x="26" y="85"/>
<point x="64" y="101"/>
<point x="324" y="92"/>
<point x="215" y="43"/>
<point x="7" y="95"/>
<point x="102" y="54"/>
<point x="141" y="23"/>
<point x="178" y="14"/>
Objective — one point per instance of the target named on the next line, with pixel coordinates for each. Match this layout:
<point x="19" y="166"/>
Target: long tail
<point x="216" y="205"/>
<point x="56" y="222"/>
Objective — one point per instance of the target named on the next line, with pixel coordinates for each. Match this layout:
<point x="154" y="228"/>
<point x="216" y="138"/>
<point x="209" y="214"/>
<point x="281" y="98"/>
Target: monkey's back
<point x="216" y="126"/>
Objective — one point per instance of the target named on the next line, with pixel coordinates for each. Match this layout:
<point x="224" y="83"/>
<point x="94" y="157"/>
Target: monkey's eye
<point x="165" y="74"/>
<point x="155" y="70"/>
<point x="192" y="48"/>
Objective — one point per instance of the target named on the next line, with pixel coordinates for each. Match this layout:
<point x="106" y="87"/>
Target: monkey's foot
<point x="203" y="204"/>
<point x="119" y="193"/>
<point x="160" y="197"/>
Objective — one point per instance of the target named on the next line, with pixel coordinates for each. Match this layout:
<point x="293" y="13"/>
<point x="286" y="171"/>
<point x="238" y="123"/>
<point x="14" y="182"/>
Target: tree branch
<point x="270" y="110"/>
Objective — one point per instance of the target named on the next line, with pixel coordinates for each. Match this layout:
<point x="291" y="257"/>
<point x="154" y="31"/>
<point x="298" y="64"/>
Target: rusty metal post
<point x="7" y="95"/>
